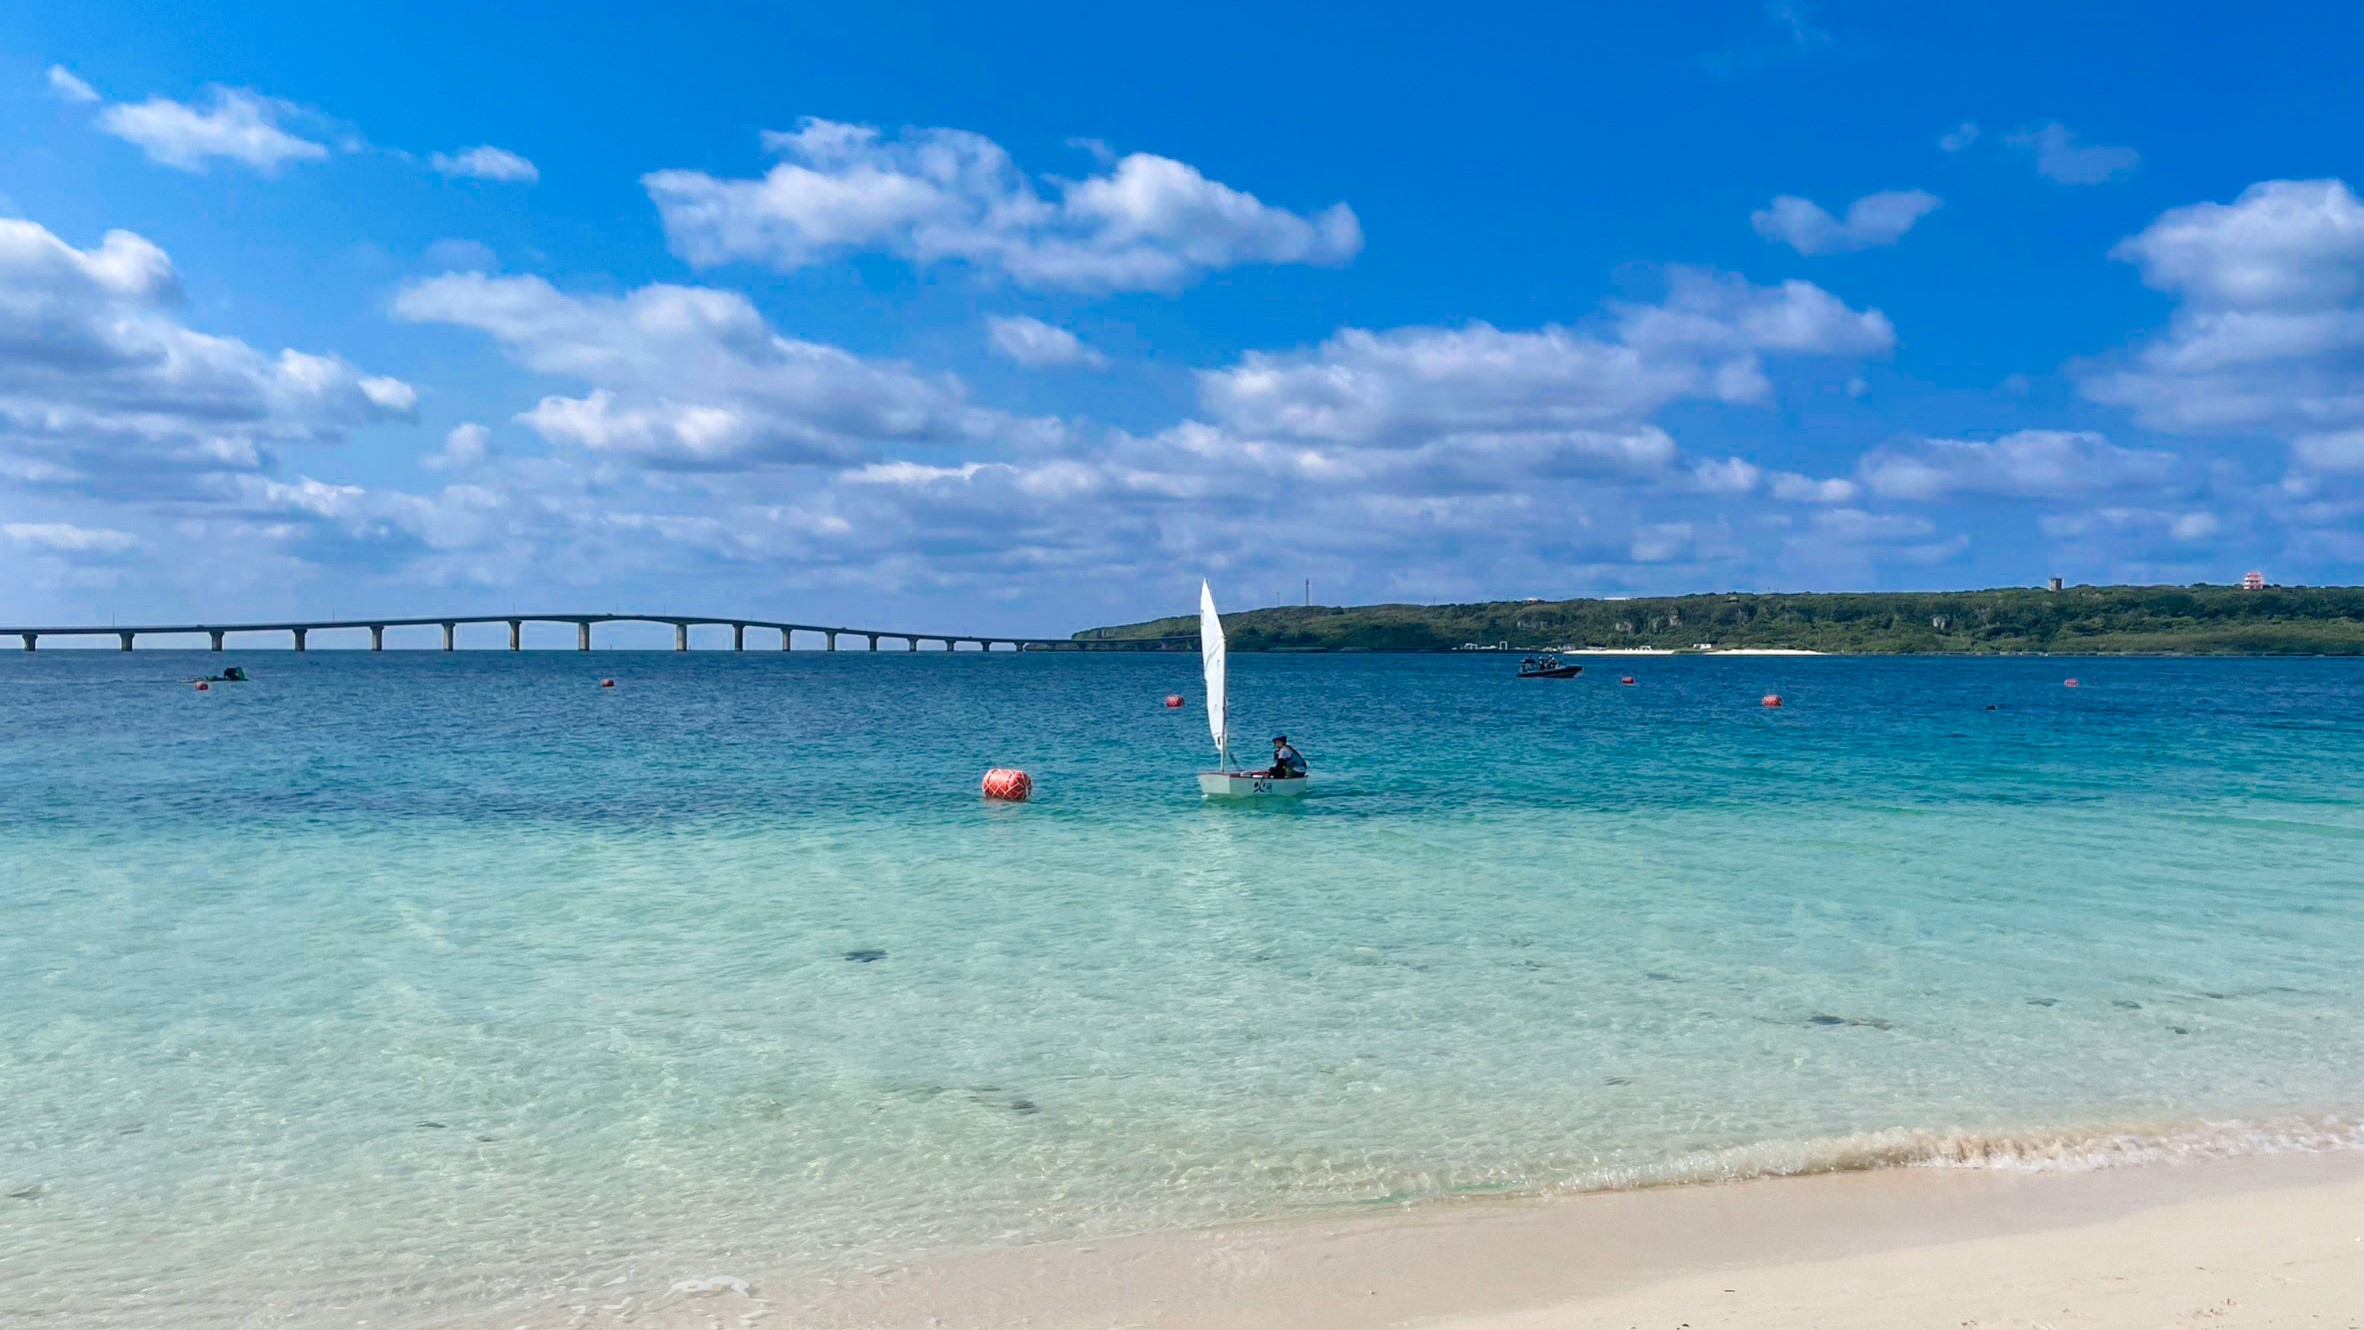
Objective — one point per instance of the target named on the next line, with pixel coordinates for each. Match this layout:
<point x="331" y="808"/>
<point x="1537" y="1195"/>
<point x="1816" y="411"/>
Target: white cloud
<point x="1725" y="475"/>
<point x="2336" y="453"/>
<point x="1790" y="487"/>
<point x="2059" y="156"/>
<point x="2026" y="464"/>
<point x="692" y="377"/>
<point x="102" y="389"/>
<point x="486" y="163"/>
<point x="65" y="538"/>
<point x="938" y="195"/>
<point x="236" y="125"/>
<point x="68" y="88"/>
<point x="2284" y="244"/>
<point x="1707" y="340"/>
<point x="1038" y="345"/>
<point x="2127" y="529"/>
<point x="1874" y="219"/>
<point x="465" y="446"/>
<point x="2269" y="328"/>
<point x="1959" y="137"/>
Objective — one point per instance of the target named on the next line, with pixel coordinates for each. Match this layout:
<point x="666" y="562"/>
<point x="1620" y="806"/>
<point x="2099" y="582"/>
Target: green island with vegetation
<point x="2077" y="620"/>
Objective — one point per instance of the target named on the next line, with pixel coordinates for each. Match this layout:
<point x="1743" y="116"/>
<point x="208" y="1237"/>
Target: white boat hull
<point x="1240" y="784"/>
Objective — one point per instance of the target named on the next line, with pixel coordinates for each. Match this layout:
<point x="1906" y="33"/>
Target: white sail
<point x="1210" y="654"/>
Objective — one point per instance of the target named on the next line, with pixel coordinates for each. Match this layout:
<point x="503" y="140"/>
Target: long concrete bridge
<point x="303" y="629"/>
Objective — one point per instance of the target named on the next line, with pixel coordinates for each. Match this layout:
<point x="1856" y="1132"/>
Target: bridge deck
<point x="682" y="623"/>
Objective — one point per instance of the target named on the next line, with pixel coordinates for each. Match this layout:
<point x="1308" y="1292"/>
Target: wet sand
<point x="2259" y="1242"/>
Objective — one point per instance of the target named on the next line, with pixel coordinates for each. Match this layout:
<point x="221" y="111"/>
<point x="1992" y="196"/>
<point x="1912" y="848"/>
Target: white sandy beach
<point x="1670" y="651"/>
<point x="2260" y="1242"/>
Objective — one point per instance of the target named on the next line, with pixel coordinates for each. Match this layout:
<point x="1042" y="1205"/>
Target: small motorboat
<point x="1548" y="667"/>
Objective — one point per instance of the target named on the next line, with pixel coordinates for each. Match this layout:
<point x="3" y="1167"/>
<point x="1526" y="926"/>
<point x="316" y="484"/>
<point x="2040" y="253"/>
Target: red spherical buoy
<point x="2068" y="683"/>
<point x="1771" y="700"/>
<point x="1009" y="785"/>
<point x="204" y="687"/>
<point x="1173" y="700"/>
<point x="607" y="683"/>
<point x="1626" y="680"/>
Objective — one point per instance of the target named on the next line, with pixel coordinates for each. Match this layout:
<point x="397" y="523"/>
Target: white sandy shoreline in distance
<point x="1670" y="651"/>
<point x="2242" y="1243"/>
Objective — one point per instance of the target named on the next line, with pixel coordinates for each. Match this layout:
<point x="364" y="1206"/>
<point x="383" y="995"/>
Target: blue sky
<point x="935" y="315"/>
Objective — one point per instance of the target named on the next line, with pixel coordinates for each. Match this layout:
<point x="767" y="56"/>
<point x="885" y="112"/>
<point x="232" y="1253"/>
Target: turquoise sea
<point x="426" y="989"/>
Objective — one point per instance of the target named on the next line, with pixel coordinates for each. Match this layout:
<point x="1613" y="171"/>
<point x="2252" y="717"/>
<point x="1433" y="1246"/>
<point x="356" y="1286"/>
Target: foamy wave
<point x="2034" y="1151"/>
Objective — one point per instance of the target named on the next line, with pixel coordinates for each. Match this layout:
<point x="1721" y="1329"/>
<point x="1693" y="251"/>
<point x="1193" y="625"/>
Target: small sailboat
<point x="1226" y="780"/>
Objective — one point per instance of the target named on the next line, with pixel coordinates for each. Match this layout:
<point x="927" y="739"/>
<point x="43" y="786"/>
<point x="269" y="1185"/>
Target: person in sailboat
<point x="1287" y="762"/>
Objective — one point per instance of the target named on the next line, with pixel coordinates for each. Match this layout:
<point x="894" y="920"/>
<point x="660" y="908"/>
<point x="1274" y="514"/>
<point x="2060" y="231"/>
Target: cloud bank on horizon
<point x="249" y="361"/>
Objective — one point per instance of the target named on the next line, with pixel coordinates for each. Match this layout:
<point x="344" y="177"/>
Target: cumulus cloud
<point x="465" y="446"/>
<point x="1038" y="345"/>
<point x="486" y="163"/>
<point x="2026" y="464"/>
<point x="1874" y="219"/>
<point x="68" y="88"/>
<point x="2059" y="156"/>
<point x="1959" y="137"/>
<point x="937" y="195"/>
<point x="234" y="125"/>
<point x="1499" y="455"/>
<point x="691" y="377"/>
<point x="1707" y="340"/>
<point x="2268" y="331"/>
<point x="1790" y="487"/>
<point x="103" y="389"/>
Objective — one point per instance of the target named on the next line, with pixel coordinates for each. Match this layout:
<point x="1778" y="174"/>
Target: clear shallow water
<point x="413" y="988"/>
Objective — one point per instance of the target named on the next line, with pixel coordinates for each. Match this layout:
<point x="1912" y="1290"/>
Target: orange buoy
<point x="1771" y="700"/>
<point x="1627" y="679"/>
<point x="2068" y="683"/>
<point x="607" y="683"/>
<point x="204" y="687"/>
<point x="1173" y="700"/>
<point x="1009" y="785"/>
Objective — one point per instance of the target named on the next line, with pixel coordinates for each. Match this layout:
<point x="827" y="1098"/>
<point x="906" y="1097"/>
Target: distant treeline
<point x="2107" y="620"/>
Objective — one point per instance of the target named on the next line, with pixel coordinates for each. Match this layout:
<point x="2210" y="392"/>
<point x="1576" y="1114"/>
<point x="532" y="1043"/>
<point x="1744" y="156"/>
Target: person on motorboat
<point x="1287" y="762"/>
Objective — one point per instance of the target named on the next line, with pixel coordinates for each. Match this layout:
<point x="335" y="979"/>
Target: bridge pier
<point x="216" y="635"/>
<point x="583" y="636"/>
<point x="785" y="643"/>
<point x="377" y="637"/>
<point x="873" y="640"/>
<point x="299" y="637"/>
<point x="911" y="644"/>
<point x="30" y="639"/>
<point x="832" y="642"/>
<point x="517" y="634"/>
<point x="681" y="637"/>
<point x="450" y="632"/>
<point x="738" y="637"/>
<point x="126" y="640"/>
